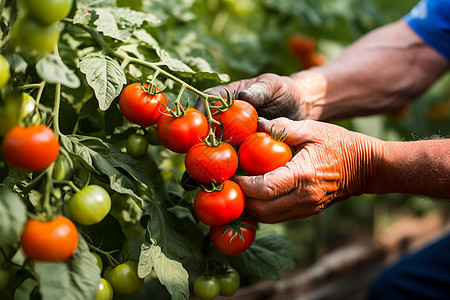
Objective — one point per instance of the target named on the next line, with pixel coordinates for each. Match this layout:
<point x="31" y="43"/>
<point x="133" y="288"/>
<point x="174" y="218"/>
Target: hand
<point x="273" y="96"/>
<point x="330" y="164"/>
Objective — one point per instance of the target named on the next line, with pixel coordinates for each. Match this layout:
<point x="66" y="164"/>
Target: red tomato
<point x="140" y="107"/>
<point x="218" y="208"/>
<point x="31" y="148"/>
<point x="301" y="45"/>
<point x="54" y="240"/>
<point x="207" y="163"/>
<point x="260" y="154"/>
<point x="238" y="121"/>
<point x="232" y="244"/>
<point x="179" y="134"/>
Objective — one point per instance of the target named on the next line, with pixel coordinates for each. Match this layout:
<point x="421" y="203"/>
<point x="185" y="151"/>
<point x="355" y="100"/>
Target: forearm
<point x="382" y="71"/>
<point x="417" y="167"/>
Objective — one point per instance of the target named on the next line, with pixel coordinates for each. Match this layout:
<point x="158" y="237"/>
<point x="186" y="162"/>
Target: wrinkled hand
<point x="330" y="164"/>
<point x="273" y="96"/>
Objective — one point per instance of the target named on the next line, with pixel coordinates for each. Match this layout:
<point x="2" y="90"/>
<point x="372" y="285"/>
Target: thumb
<point x="257" y="94"/>
<point x="297" y="132"/>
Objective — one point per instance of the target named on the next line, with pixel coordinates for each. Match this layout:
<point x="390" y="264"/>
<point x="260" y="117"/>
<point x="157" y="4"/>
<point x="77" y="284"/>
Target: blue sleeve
<point x="430" y="19"/>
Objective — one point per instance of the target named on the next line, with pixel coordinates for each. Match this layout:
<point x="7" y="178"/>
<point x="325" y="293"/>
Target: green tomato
<point x="206" y="287"/>
<point x="137" y="145"/>
<point x="229" y="282"/>
<point x="105" y="290"/>
<point x="124" y="278"/>
<point x="152" y="136"/>
<point x="28" y="114"/>
<point x="31" y="36"/>
<point x="5" y="73"/>
<point x="47" y="12"/>
<point x="90" y="205"/>
<point x="99" y="261"/>
<point x="5" y="274"/>
<point x="61" y="169"/>
<point x="9" y="113"/>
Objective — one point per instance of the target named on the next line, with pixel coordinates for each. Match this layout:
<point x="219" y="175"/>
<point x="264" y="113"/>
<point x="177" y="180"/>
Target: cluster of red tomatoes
<point x="213" y="156"/>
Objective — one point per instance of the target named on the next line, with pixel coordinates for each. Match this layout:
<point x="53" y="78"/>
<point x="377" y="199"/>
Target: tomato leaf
<point x="119" y="23"/>
<point x="266" y="256"/>
<point x="79" y="278"/>
<point x="170" y="273"/>
<point x="164" y="227"/>
<point x="104" y="75"/>
<point x="13" y="215"/>
<point x="124" y="173"/>
<point x="52" y="69"/>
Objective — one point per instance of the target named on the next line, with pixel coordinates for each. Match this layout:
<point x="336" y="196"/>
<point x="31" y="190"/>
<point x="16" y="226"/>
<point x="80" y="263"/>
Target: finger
<point x="297" y="132"/>
<point x="271" y="185"/>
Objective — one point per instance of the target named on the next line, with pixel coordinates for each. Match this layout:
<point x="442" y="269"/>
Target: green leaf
<point x="268" y="254"/>
<point x="124" y="173"/>
<point x="104" y="75"/>
<point x="52" y="69"/>
<point x="120" y="23"/>
<point x="170" y="273"/>
<point x="79" y="278"/>
<point x="167" y="230"/>
<point x="13" y="215"/>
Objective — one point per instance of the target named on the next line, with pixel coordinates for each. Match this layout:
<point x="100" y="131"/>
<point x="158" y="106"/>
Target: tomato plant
<point x="124" y="278"/>
<point x="47" y="12"/>
<point x="4" y="71"/>
<point x="105" y="290"/>
<point x="239" y="121"/>
<point x="229" y="282"/>
<point x="206" y="287"/>
<point x="30" y="148"/>
<point x="142" y="104"/>
<point x="54" y="240"/>
<point x="229" y="241"/>
<point x="208" y="164"/>
<point x="180" y="133"/>
<point x="260" y="153"/>
<point x="137" y="145"/>
<point x="31" y="36"/>
<point x="90" y="205"/>
<point x="220" y="207"/>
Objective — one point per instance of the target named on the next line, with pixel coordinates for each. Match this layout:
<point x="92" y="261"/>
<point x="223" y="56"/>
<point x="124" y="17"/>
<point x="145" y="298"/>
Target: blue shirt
<point x="430" y="19"/>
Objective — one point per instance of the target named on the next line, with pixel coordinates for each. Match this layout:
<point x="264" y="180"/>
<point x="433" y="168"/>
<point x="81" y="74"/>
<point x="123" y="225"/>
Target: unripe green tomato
<point x="90" y="205"/>
<point x="28" y="114"/>
<point x="33" y="37"/>
<point x="5" y="73"/>
<point x="47" y="12"/>
<point x="61" y="169"/>
<point x="9" y="113"/>
<point x="229" y="282"/>
<point x="99" y="260"/>
<point x="124" y="278"/>
<point x="5" y="274"/>
<point x="105" y="290"/>
<point x="206" y="287"/>
<point x="152" y="136"/>
<point x="137" y="145"/>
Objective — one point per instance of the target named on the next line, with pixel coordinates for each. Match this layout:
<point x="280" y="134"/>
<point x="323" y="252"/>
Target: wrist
<point x="365" y="166"/>
<point x="312" y="86"/>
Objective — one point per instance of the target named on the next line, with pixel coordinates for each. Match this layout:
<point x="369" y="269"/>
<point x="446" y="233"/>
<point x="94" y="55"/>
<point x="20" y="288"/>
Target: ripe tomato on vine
<point x="142" y="104"/>
<point x="31" y="148"/>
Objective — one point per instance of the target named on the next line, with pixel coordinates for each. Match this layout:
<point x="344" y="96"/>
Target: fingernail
<point x="262" y="120"/>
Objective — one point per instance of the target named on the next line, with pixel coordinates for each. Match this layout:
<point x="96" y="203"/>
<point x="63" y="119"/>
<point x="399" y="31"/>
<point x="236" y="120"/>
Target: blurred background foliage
<point x="244" y="38"/>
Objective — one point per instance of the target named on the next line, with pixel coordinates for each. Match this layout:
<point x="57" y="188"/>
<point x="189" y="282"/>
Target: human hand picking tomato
<point x="272" y="95"/>
<point x="330" y="164"/>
